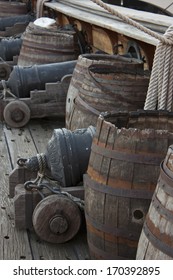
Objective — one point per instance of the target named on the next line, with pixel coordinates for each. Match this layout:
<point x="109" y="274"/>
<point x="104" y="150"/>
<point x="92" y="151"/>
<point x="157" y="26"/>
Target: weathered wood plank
<point x="88" y="11"/>
<point x="142" y="16"/>
<point x="14" y="244"/>
<point x="19" y="143"/>
<point x="73" y="250"/>
<point x="42" y="131"/>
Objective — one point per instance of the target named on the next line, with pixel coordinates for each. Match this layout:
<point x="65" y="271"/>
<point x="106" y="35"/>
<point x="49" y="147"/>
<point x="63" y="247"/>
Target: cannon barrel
<point x="22" y="80"/>
<point x="10" y="47"/>
<point x="67" y="155"/>
<point x="10" y="21"/>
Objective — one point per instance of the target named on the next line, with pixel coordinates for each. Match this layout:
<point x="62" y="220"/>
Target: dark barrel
<point x="121" y="178"/>
<point x="104" y="83"/>
<point x="42" y="45"/>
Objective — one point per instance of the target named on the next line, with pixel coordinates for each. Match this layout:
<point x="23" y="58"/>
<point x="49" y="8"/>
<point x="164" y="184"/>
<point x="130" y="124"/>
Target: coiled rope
<point x="159" y="94"/>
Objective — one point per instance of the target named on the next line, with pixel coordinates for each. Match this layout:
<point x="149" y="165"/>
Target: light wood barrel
<point x="121" y="178"/>
<point x="156" y="237"/>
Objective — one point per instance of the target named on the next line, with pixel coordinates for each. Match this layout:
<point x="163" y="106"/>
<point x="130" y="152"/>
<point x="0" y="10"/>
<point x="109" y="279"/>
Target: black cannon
<point x="11" y="21"/>
<point x="24" y="79"/>
<point x="10" y="47"/>
<point x="9" y="51"/>
<point x="36" y="91"/>
<point x="56" y="199"/>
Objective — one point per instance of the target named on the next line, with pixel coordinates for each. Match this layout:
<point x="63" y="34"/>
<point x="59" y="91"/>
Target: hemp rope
<point x="41" y="162"/>
<point x="159" y="94"/>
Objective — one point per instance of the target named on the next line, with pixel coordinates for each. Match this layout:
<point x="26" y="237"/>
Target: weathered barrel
<point x="104" y="83"/>
<point x="41" y="46"/>
<point x="24" y="79"/>
<point x="157" y="119"/>
<point x="156" y="237"/>
<point x="13" y="8"/>
<point x="121" y="178"/>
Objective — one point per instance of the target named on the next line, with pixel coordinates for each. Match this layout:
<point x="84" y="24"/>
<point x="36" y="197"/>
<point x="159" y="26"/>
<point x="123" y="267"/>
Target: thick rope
<point x="41" y="163"/>
<point x="159" y="95"/>
<point x="132" y="22"/>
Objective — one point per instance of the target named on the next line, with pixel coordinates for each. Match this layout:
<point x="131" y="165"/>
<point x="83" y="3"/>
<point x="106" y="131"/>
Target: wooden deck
<point x="22" y="244"/>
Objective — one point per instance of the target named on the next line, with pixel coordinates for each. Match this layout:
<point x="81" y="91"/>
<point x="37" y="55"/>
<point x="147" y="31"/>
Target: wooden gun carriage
<point x="47" y="189"/>
<point x="35" y="92"/>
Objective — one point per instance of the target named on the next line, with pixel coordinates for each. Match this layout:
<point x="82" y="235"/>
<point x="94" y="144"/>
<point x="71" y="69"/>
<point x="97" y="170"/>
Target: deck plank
<point x="14" y="244"/>
<point x="24" y="244"/>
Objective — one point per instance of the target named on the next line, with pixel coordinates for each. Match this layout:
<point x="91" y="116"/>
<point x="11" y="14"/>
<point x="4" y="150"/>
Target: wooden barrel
<point x="120" y="181"/>
<point x="43" y="46"/>
<point x="86" y="95"/>
<point x="156" y="237"/>
<point x="12" y="8"/>
<point x="157" y="119"/>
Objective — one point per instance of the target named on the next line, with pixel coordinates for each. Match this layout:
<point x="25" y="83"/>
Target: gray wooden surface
<point x="22" y="244"/>
<point x="90" y="12"/>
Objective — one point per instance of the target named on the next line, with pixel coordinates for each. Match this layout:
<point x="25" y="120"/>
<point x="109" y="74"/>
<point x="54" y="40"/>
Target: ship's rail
<point x="89" y="12"/>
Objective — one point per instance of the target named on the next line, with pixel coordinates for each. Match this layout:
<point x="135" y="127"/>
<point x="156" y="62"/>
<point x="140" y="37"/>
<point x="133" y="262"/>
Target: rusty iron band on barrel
<point x="156" y="242"/>
<point x="113" y="230"/>
<point x="166" y="181"/>
<point x="167" y="170"/>
<point x="161" y="209"/>
<point x="80" y="101"/>
<point x="100" y="254"/>
<point x="132" y="193"/>
<point x="48" y="48"/>
<point x="150" y="159"/>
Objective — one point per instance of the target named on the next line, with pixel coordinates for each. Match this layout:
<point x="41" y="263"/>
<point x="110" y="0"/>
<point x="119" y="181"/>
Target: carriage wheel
<point x="56" y="219"/>
<point x="16" y="113"/>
